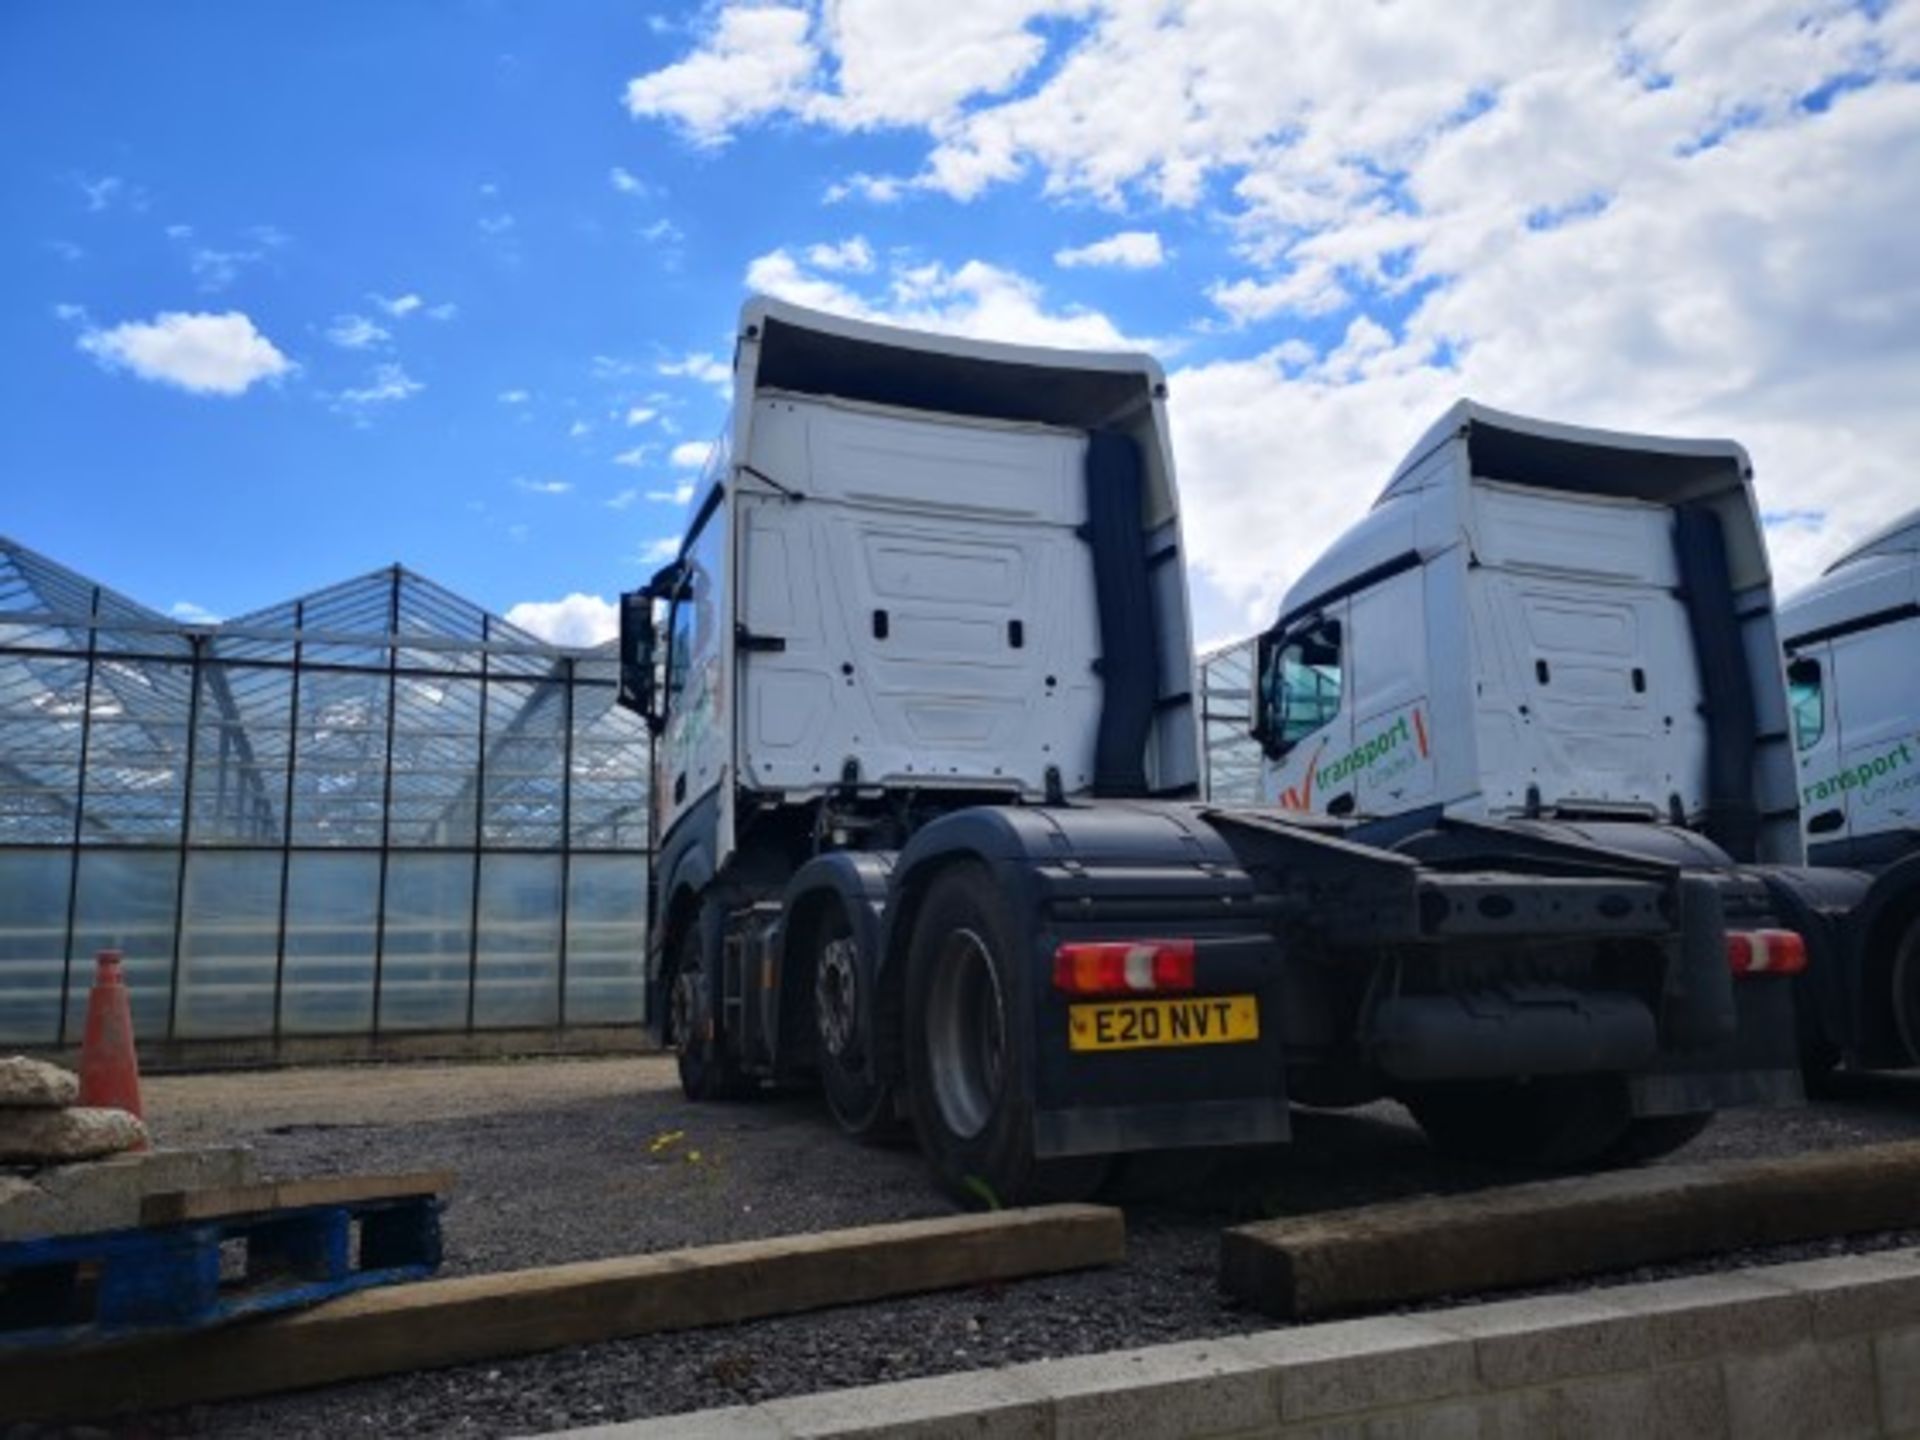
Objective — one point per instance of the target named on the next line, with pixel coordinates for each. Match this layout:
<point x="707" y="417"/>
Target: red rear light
<point x="1120" y="967"/>
<point x="1766" y="952"/>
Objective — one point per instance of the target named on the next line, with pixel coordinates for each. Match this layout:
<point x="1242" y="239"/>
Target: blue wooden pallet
<point x="79" y="1289"/>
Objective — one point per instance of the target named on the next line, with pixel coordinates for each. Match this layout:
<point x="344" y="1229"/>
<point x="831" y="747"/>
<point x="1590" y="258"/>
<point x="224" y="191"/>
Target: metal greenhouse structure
<point x="373" y="812"/>
<point x="1226" y="694"/>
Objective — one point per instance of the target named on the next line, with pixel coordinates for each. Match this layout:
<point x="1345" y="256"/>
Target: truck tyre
<point x="969" y="1049"/>
<point x="1551" y="1123"/>
<point x="707" y="1071"/>
<point x="1906" y="989"/>
<point x="860" y="1102"/>
<point x="1650" y="1137"/>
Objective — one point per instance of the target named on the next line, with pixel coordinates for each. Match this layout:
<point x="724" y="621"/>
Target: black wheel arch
<point x="855" y="882"/>
<point x="1891" y="906"/>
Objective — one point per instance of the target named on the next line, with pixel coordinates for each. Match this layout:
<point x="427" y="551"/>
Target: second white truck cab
<point x="1540" y="621"/>
<point x="1853" y="674"/>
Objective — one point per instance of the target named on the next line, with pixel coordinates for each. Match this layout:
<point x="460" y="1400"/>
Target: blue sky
<point x="441" y="276"/>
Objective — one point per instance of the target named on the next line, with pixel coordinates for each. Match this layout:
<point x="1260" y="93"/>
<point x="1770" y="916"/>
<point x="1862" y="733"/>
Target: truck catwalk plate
<point x="1144" y="1024"/>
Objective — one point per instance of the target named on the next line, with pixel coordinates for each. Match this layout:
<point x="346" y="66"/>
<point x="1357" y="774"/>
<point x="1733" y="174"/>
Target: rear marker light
<point x="1766" y="952"/>
<point x="1121" y="967"/>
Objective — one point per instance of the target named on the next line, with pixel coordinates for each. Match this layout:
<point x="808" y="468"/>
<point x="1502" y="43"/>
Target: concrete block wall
<point x="1825" y="1348"/>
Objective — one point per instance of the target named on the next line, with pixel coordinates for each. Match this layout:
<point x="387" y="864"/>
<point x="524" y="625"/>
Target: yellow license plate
<point x="1148" y="1024"/>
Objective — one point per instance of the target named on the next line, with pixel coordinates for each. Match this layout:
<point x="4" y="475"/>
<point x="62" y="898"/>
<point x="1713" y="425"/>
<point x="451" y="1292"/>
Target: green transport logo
<point x="1860" y="776"/>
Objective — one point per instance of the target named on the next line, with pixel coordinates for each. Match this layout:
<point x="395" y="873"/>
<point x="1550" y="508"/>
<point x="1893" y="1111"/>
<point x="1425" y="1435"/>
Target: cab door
<point x="1872" y="688"/>
<point x="1817" y="742"/>
<point x="1303" y="716"/>
<point x="691" y="760"/>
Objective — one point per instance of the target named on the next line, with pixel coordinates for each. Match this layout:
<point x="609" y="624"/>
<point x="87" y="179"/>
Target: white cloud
<point x="66" y="250"/>
<point x="578" y="620"/>
<point x="658" y="552"/>
<point x="893" y="62"/>
<point x="1127" y="250"/>
<point x="179" y="232"/>
<point x="70" y="314"/>
<point x="700" y="365"/>
<point x="626" y="182"/>
<point x="854" y="254"/>
<point x="678" y="495"/>
<point x="624" y="498"/>
<point x="205" y="353"/>
<point x="691" y="455"/>
<point x="542" y="487"/>
<point x="640" y="415"/>
<point x="974" y="299"/>
<point x="513" y="397"/>
<point x="756" y="62"/>
<point x="445" y="310"/>
<point x="496" y="225"/>
<point x="578" y="429"/>
<point x="192" y="614"/>
<point x="387" y="385"/>
<point x="101" y="192"/>
<point x="217" y="269"/>
<point x="355" y="332"/>
<point x="1663" y="215"/>
<point x="636" y="457"/>
<point x="398" y="306"/>
<point x="662" y="232"/>
<point x="875" y="189"/>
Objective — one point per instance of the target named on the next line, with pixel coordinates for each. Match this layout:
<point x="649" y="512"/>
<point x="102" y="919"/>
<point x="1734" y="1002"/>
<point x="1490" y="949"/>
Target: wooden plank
<point x="180" y="1207"/>
<point x="479" y="1317"/>
<point x="1456" y="1245"/>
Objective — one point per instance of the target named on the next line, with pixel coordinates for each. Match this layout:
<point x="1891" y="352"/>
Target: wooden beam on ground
<point x="180" y="1207"/>
<point x="480" y="1317"/>
<point x="1458" y="1245"/>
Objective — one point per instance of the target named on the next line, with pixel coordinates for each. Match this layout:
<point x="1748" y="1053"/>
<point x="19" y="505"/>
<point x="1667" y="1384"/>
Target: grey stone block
<point x="1351" y="1365"/>
<point x="1202" y="1387"/>
<point x="1688" y="1401"/>
<point x="1712" y="1315"/>
<point x="1546" y="1338"/>
<point x="1852" y="1293"/>
<point x="976" y="1405"/>
<point x="1809" y="1392"/>
<point x="1896" y="1362"/>
<point x="106" y="1194"/>
<point x="1450" y="1420"/>
<point x="738" y="1422"/>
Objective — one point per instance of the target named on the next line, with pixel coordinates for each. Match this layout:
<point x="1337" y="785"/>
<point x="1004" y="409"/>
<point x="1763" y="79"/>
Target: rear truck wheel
<point x="1906" y="989"/>
<point x="1650" y="1137"/>
<point x="969" y="1047"/>
<point x="860" y="1101"/>
<point x="1551" y="1123"/>
<point x="707" y="1070"/>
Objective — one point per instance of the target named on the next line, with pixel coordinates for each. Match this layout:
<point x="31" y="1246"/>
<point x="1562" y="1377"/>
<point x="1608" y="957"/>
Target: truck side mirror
<point x="1259" y="701"/>
<point x="636" y="655"/>
<point x="638" y="642"/>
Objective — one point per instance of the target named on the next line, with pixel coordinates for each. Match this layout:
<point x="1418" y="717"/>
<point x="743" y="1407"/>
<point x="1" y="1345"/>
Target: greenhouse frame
<point x="1226" y="712"/>
<point x="374" y="818"/>
<point x="373" y="812"/>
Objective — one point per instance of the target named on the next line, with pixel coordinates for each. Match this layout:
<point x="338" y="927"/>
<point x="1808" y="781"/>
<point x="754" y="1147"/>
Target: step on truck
<point x="1853" y="677"/>
<point x="929" y="827"/>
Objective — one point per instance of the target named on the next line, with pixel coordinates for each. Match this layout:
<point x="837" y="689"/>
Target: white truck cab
<point x="1853" y="675"/>
<point x="1539" y="621"/>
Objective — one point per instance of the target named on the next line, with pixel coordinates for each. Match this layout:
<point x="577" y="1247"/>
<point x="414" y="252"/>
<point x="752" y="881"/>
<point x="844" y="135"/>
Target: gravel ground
<point x="578" y="1159"/>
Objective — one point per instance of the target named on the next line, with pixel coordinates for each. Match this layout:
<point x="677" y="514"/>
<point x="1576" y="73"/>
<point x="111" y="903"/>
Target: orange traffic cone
<point x="109" y="1068"/>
